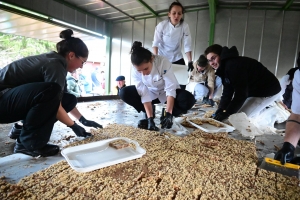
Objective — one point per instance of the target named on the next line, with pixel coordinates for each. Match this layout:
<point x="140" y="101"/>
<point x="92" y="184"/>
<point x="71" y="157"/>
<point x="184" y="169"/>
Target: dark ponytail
<point x="139" y="54"/>
<point x="71" y="44"/>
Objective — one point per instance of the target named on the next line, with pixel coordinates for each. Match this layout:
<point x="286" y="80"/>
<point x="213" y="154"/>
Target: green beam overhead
<point x="121" y="11"/>
<point x="148" y="7"/>
<point x="288" y="3"/>
<point x="163" y="14"/>
<point x="212" y="14"/>
<point x="79" y="9"/>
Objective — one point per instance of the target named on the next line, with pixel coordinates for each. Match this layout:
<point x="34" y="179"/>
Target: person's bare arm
<point x="63" y="116"/>
<point x="75" y="112"/>
<point x="148" y="108"/>
<point x="155" y="50"/>
<point x="170" y="104"/>
<point x="189" y="56"/>
<point x="292" y="130"/>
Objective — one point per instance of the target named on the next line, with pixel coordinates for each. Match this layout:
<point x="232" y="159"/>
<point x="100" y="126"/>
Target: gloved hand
<point x="296" y="160"/>
<point x="79" y="131"/>
<point x="167" y="121"/>
<point x="89" y="123"/>
<point x="286" y="153"/>
<point x="151" y="124"/>
<point x="205" y="100"/>
<point x="210" y="102"/>
<point x="221" y="116"/>
<point x="219" y="110"/>
<point x="190" y="66"/>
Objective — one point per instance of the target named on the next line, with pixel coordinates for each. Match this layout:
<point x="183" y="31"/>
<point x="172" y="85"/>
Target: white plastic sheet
<point x="262" y="124"/>
<point x="243" y="124"/>
<point x="177" y="128"/>
<point x="266" y="120"/>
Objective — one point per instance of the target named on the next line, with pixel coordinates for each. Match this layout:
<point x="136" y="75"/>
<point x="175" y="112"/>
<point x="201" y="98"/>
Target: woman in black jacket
<point x="248" y="86"/>
<point x="32" y="89"/>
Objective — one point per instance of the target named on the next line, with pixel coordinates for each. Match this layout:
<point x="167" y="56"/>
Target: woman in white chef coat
<point x="154" y="82"/>
<point x="168" y="36"/>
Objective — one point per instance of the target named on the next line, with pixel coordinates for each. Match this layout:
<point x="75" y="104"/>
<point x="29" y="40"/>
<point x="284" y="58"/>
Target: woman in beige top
<point x="204" y="84"/>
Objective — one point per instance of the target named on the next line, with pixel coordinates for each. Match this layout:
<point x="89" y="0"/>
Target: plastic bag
<point x="242" y="123"/>
<point x="177" y="128"/>
<point x="265" y="121"/>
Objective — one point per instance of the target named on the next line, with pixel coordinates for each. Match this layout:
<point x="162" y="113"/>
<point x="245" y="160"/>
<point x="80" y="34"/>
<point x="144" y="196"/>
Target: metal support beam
<point x="78" y="9"/>
<point x="108" y="58"/>
<point x="148" y="7"/>
<point x="212" y="14"/>
<point x="288" y="3"/>
<point x="162" y="14"/>
<point x="114" y="7"/>
<point x="44" y="18"/>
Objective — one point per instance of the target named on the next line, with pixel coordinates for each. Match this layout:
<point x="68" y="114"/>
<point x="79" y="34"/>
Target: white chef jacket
<point x="296" y="93"/>
<point x="168" y="39"/>
<point x="160" y="83"/>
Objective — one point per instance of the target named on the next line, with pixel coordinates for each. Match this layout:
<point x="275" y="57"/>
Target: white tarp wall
<point x="269" y="36"/>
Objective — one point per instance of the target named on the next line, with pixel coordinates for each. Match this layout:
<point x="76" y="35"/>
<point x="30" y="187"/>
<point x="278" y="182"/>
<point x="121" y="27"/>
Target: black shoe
<point x="47" y="150"/>
<point x="15" y="131"/>
<point x="143" y="124"/>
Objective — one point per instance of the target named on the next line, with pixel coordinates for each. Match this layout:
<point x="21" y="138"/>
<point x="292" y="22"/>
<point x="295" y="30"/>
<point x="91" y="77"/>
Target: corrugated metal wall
<point x="64" y="13"/>
<point x="269" y="36"/>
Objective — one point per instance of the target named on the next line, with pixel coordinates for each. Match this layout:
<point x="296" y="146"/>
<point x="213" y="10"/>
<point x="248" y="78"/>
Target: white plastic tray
<point x="210" y="128"/>
<point x="96" y="155"/>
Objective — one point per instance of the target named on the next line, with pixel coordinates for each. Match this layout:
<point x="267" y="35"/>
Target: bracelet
<point x="290" y="120"/>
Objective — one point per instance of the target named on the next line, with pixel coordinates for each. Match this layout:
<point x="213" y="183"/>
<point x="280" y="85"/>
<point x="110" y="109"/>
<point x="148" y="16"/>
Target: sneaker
<point x="15" y="131"/>
<point x="47" y="150"/>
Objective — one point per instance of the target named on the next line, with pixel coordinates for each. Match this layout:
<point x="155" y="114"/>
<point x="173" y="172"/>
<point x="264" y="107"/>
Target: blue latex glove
<point x="286" y="153"/>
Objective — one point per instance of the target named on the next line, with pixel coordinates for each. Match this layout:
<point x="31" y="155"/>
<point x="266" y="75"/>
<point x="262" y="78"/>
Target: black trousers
<point x="183" y="102"/>
<point x="180" y="62"/>
<point x="36" y="104"/>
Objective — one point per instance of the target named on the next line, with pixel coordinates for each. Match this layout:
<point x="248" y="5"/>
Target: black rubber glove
<point x="151" y="124"/>
<point x="219" y="110"/>
<point x="210" y="102"/>
<point x="167" y="121"/>
<point x="190" y="66"/>
<point x="296" y="160"/>
<point x="79" y="131"/>
<point x="89" y="123"/>
<point x="205" y="100"/>
<point x="286" y="153"/>
<point x="221" y="116"/>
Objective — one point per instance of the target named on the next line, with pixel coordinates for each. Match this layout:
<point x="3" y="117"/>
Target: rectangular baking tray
<point x="96" y="155"/>
<point x="210" y="128"/>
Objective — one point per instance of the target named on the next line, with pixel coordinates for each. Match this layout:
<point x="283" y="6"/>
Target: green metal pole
<point x="212" y="14"/>
<point x="148" y="7"/>
<point x="108" y="57"/>
<point x="288" y="3"/>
